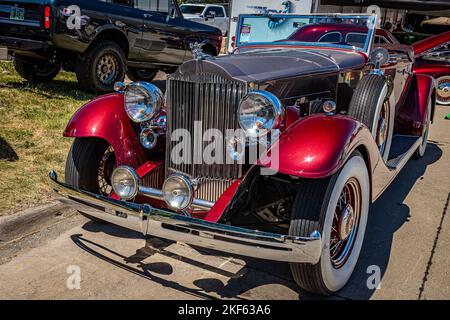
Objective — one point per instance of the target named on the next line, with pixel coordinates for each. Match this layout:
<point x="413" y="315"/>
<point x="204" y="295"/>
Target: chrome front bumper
<point x="175" y="227"/>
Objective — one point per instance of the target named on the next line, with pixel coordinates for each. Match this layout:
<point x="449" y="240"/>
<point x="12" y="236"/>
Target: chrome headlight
<point x="259" y="112"/>
<point x="125" y="181"/>
<point x="178" y="192"/>
<point x="143" y="101"/>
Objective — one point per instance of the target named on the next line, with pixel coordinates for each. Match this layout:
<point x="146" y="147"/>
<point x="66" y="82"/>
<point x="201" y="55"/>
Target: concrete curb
<point x="31" y="220"/>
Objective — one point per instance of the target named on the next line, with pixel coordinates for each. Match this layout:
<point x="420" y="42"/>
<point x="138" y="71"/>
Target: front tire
<point x="89" y="167"/>
<point x="36" y="70"/>
<point x="101" y="67"/>
<point x="338" y="208"/>
<point x="371" y="105"/>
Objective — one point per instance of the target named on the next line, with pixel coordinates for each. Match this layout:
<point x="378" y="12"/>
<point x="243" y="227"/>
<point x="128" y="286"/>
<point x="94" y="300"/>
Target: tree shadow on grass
<point x="56" y="89"/>
<point x="7" y="152"/>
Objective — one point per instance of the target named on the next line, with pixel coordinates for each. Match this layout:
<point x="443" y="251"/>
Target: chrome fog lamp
<point x="143" y="101"/>
<point x="329" y="107"/>
<point x="124" y="181"/>
<point x="259" y="112"/>
<point x="178" y="192"/>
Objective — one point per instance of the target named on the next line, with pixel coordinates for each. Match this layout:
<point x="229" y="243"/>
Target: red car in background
<point x="430" y="58"/>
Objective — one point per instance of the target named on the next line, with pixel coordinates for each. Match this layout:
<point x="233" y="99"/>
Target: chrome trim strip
<point x="175" y="227"/>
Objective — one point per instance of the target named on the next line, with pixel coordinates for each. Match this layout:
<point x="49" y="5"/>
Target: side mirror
<point x="379" y="56"/>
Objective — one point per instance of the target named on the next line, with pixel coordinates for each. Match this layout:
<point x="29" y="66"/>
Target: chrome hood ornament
<point x="197" y="51"/>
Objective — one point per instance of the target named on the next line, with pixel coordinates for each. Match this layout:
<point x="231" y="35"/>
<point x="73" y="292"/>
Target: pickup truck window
<point x="152" y="5"/>
<point x="216" y="11"/>
<point x="187" y="9"/>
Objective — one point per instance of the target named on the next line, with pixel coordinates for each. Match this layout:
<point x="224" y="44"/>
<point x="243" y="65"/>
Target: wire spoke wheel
<point x="383" y="127"/>
<point x="345" y="223"/>
<point x="105" y="170"/>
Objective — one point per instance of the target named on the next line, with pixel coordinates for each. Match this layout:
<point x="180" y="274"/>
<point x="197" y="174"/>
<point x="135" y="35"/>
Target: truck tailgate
<point x="23" y="19"/>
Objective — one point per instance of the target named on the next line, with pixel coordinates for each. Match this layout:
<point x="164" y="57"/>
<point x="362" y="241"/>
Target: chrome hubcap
<point x="107" y="69"/>
<point x="345" y="224"/>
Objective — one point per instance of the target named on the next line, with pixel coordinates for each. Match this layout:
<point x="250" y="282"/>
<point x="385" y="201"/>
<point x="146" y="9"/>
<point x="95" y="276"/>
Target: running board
<point x="403" y="148"/>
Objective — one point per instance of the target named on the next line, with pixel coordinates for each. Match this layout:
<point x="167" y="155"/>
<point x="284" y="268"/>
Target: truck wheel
<point x="89" y="167"/>
<point x="420" y="152"/>
<point x="371" y="105"/>
<point x="338" y="208"/>
<point x="101" y="67"/>
<point x="36" y="70"/>
<point x="139" y="74"/>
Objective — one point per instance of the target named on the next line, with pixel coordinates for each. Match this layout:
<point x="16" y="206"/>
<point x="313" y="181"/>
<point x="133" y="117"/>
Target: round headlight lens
<point x="124" y="181"/>
<point x="142" y="101"/>
<point x="178" y="192"/>
<point x="259" y="112"/>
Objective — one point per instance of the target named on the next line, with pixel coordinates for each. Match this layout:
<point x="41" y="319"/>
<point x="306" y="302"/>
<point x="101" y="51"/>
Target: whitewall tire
<point x="337" y="207"/>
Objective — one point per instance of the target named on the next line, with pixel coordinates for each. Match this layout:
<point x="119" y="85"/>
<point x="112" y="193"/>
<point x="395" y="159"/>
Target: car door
<point x="161" y="40"/>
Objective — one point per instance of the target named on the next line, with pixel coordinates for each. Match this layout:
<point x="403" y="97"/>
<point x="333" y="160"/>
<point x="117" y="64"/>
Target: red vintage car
<point x="274" y="152"/>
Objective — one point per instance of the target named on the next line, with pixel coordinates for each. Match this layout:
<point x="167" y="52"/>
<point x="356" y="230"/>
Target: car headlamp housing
<point x="125" y="182"/>
<point x="178" y="192"/>
<point x="143" y="101"/>
<point x="259" y="113"/>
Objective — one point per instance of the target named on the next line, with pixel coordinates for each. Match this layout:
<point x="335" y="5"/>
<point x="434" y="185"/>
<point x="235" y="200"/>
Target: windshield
<point x="187" y="9"/>
<point x="347" y="31"/>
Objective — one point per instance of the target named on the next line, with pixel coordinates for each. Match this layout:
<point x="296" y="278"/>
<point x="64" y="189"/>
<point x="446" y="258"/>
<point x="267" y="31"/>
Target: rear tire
<point x="139" y="74"/>
<point x="35" y="70"/>
<point x="371" y="105"/>
<point x="319" y="207"/>
<point x="101" y="67"/>
<point x="83" y="166"/>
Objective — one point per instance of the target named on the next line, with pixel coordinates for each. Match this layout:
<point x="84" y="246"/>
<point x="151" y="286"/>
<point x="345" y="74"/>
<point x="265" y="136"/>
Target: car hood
<point x="263" y="65"/>
<point x="191" y="16"/>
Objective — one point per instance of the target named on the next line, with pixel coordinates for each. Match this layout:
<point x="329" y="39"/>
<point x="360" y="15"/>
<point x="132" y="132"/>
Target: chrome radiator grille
<point x="213" y="101"/>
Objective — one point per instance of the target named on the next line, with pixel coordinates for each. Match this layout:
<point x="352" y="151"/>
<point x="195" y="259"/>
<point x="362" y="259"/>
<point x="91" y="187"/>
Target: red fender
<point x="412" y="114"/>
<point x="318" y="146"/>
<point x="431" y="43"/>
<point x="433" y="69"/>
<point x="105" y="117"/>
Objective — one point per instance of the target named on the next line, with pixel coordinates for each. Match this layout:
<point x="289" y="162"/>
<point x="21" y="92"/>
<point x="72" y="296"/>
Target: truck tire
<point x="371" y="105"/>
<point x="36" y="70"/>
<point x="101" y="67"/>
<point x="140" y="74"/>
<point x="337" y="207"/>
<point x="89" y="167"/>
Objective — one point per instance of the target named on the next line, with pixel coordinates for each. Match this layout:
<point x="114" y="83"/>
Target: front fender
<point x="317" y="146"/>
<point x="106" y="118"/>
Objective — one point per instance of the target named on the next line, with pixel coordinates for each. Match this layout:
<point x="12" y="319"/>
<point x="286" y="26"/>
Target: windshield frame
<point x="367" y="46"/>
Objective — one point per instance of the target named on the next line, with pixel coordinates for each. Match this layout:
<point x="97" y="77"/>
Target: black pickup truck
<point x="100" y="40"/>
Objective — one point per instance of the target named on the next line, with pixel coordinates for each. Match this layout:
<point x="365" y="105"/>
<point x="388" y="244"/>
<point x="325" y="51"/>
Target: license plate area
<point x="17" y="14"/>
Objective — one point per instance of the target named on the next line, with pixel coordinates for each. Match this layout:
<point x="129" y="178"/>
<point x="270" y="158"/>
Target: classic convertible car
<point x="273" y="152"/>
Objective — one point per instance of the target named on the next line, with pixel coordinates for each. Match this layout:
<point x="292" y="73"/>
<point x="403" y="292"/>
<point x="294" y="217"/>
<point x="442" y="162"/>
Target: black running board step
<point x="402" y="149"/>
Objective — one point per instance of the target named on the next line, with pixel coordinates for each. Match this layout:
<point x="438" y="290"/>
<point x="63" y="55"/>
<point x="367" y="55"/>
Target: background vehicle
<point x="340" y="121"/>
<point x="238" y="7"/>
<point x="100" y="41"/>
<point x="210" y="14"/>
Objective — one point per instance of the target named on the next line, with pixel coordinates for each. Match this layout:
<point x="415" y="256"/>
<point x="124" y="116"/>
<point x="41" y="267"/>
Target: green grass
<point x="32" y="119"/>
